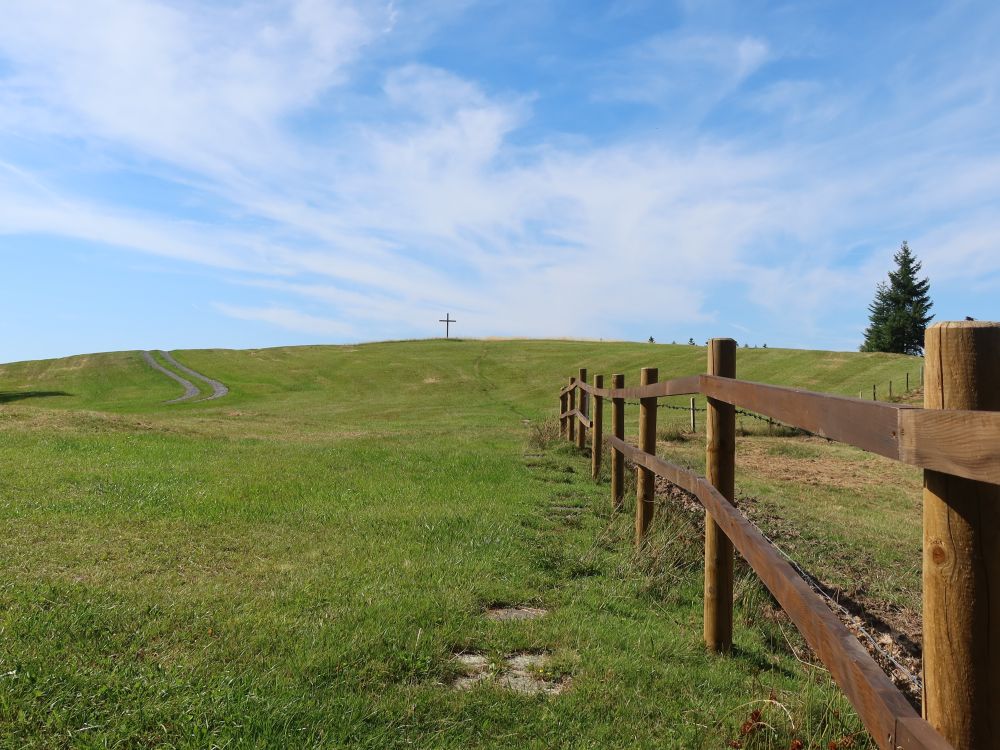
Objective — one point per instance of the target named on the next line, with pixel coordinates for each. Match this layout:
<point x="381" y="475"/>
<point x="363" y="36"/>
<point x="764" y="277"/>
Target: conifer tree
<point x="900" y="312"/>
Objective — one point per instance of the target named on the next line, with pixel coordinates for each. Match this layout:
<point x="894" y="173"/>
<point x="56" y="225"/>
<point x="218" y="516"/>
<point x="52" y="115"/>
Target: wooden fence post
<point x="647" y="442"/>
<point x="874" y="394"/>
<point x="961" y="560"/>
<point x="720" y="471"/>
<point x="572" y="406"/>
<point x="581" y="431"/>
<point x="597" y="434"/>
<point x="562" y="410"/>
<point x="907" y="382"/>
<point x="694" y="421"/>
<point x="617" y="459"/>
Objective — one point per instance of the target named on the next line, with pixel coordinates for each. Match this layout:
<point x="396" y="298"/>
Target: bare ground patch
<point x="525" y="672"/>
<point x="809" y="461"/>
<point x="513" y="612"/>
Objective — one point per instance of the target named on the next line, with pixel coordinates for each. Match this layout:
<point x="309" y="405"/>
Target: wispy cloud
<point x="684" y="71"/>
<point x="291" y="320"/>
<point x="335" y="173"/>
<point x="202" y="88"/>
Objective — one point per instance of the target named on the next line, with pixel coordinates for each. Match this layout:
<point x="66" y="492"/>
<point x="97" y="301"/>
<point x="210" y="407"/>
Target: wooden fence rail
<point x="959" y="449"/>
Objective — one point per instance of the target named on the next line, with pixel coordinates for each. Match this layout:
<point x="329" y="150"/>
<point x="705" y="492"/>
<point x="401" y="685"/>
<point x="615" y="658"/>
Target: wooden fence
<point x="955" y="439"/>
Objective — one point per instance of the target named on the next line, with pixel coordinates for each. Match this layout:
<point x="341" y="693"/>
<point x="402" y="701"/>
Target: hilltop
<point x="523" y="369"/>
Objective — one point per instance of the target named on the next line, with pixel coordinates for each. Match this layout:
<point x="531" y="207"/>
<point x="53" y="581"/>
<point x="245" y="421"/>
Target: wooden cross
<point x="447" y="320"/>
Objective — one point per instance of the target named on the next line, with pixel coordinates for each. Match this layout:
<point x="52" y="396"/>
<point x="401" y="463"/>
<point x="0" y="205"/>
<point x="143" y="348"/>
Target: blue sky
<point x="253" y="173"/>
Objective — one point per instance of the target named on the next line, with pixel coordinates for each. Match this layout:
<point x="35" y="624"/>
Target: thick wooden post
<point x="617" y="459"/>
<point x="572" y="406"/>
<point x="961" y="655"/>
<point x="597" y="434"/>
<point x="581" y="431"/>
<point x="647" y="442"/>
<point x="720" y="471"/>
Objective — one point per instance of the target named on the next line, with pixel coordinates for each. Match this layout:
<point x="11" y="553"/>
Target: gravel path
<point x="218" y="389"/>
<point x="191" y="391"/>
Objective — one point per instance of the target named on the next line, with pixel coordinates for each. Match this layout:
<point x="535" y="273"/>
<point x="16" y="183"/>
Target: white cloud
<point x="968" y="251"/>
<point x="683" y="70"/>
<point x="28" y="205"/>
<point x="292" y="320"/>
<point x="751" y="54"/>
<point x="202" y="87"/>
<point x="433" y="203"/>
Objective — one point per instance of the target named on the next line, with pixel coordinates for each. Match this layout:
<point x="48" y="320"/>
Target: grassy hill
<point x="297" y="564"/>
<point x="336" y="376"/>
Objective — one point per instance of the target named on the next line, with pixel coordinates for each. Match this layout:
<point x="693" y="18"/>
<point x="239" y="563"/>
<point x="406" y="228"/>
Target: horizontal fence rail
<point x="963" y="443"/>
<point x="869" y="425"/>
<point x="881" y="706"/>
<point x="677" y="387"/>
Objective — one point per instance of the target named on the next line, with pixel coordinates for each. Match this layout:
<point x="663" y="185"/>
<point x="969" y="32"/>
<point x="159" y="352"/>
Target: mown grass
<point x="295" y="564"/>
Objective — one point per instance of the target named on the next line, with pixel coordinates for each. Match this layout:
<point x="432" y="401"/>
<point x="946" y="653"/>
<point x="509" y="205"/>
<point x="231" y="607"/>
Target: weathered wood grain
<point x="644" y="486"/>
<point x="572" y="408"/>
<point x="618" y="430"/>
<point x="597" y="431"/>
<point x="563" y="399"/>
<point x="954" y="441"/>
<point x="720" y="470"/>
<point x="960" y="442"/>
<point x="677" y="387"/>
<point x="870" y="425"/>
<point x="961" y="560"/>
<point x="576" y="417"/>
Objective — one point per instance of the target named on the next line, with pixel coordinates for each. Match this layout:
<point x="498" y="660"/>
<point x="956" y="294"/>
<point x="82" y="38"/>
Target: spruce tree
<point x="900" y="312"/>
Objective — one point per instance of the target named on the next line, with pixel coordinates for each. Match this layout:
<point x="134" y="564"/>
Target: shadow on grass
<point x="8" y="396"/>
<point x="759" y="662"/>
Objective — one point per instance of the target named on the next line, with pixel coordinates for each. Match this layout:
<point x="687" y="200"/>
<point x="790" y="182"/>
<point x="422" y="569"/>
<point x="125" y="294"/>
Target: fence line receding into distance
<point x="955" y="439"/>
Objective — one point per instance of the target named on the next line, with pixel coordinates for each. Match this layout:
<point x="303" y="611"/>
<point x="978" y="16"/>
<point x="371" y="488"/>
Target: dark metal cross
<point x="447" y="320"/>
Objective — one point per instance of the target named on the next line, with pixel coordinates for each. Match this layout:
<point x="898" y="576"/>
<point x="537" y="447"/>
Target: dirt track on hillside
<point x="218" y="389"/>
<point x="191" y="391"/>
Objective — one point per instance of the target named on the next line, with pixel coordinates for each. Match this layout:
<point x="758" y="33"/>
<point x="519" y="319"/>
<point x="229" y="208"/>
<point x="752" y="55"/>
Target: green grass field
<point x="296" y="564"/>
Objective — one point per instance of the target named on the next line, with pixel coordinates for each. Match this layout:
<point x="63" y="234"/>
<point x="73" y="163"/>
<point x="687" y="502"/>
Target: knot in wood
<point x="938" y="553"/>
